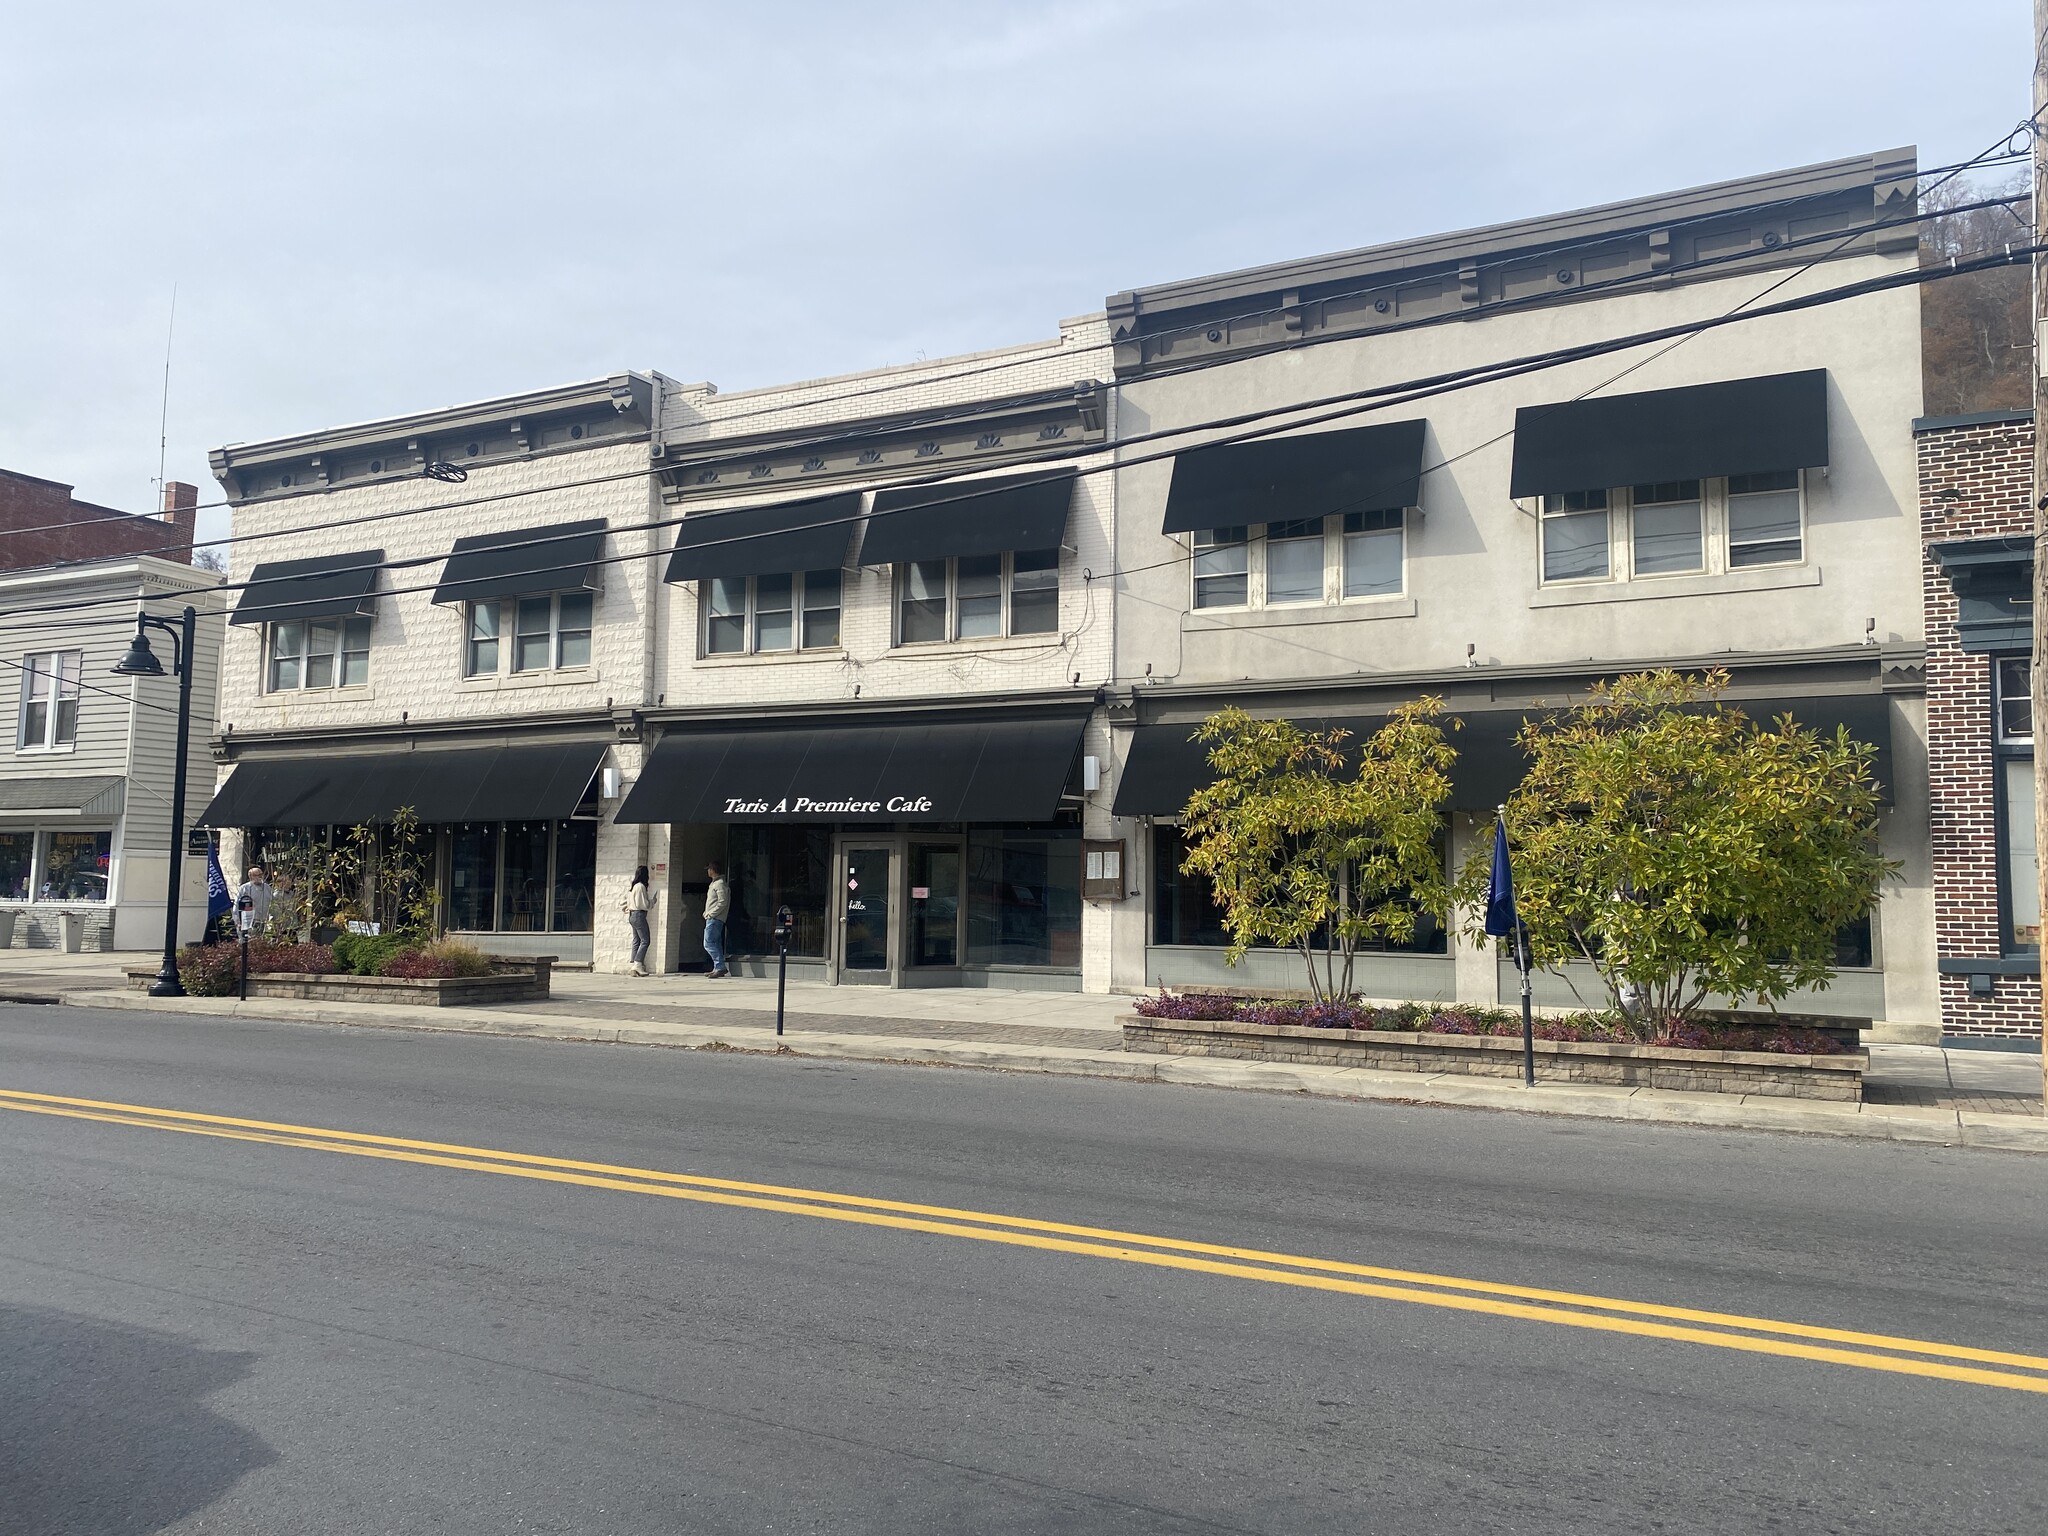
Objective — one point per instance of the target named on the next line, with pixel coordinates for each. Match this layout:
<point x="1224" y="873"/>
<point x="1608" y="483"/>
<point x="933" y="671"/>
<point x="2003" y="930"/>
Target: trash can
<point x="7" y="918"/>
<point x="71" y="931"/>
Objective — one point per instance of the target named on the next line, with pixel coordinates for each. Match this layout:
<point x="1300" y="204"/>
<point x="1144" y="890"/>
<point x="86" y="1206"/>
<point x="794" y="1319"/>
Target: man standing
<point x="255" y="894"/>
<point x="717" y="902"/>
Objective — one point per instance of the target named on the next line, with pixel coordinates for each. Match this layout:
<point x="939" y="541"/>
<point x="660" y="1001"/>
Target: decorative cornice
<point x="793" y="462"/>
<point x="1753" y="223"/>
<point x="566" y="418"/>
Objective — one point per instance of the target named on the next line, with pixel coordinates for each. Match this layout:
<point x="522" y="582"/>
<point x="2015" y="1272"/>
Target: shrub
<point x="210" y="970"/>
<point x="297" y="959"/>
<point x="364" y="954"/>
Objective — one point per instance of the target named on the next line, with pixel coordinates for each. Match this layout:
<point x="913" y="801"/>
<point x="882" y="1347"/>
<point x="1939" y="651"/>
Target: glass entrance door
<point x="867" y="931"/>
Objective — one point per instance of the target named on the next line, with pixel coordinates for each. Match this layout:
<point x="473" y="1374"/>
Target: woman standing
<point x="639" y="902"/>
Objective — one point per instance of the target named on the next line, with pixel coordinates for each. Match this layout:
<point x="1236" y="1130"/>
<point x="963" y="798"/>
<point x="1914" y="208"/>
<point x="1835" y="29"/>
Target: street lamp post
<point x="141" y="662"/>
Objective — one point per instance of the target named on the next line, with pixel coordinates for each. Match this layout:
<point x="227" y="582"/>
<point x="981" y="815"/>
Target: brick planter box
<point x="511" y="981"/>
<point x="1633" y="1066"/>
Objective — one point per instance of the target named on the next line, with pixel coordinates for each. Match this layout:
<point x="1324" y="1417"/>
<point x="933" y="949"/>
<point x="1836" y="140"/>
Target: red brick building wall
<point x="42" y="523"/>
<point x="1986" y="469"/>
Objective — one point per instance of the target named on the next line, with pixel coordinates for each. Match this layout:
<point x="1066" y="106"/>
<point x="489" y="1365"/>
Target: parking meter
<point x="785" y="920"/>
<point x="245" y="918"/>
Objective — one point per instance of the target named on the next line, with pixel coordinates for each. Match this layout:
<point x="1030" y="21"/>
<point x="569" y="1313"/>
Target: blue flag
<point x="1500" y="886"/>
<point x="218" y="898"/>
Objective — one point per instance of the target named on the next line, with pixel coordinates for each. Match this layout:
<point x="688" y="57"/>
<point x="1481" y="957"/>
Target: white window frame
<point x="2012" y="682"/>
<point x="337" y="678"/>
<point x="508" y="632"/>
<point x="49" y="667"/>
<point x="800" y="608"/>
<point x="1717" y="550"/>
<point x="1006" y="586"/>
<point x="1259" y="541"/>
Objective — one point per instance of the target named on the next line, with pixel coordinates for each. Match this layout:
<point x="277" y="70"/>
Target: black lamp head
<point x="141" y="660"/>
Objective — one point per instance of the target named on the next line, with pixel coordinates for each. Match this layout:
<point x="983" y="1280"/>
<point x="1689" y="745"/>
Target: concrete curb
<point x="1907" y="1124"/>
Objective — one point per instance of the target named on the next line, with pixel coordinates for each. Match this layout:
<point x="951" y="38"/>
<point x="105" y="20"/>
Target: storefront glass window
<point x="770" y="867"/>
<point x="1024" y="896"/>
<point x="523" y="894"/>
<point x="575" y="875"/>
<point x="75" y="865"/>
<point x="473" y="877"/>
<point x="1184" y="910"/>
<point x="17" y="854"/>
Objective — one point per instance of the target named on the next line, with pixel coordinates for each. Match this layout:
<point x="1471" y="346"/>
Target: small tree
<point x="1683" y="850"/>
<point x="1307" y="853"/>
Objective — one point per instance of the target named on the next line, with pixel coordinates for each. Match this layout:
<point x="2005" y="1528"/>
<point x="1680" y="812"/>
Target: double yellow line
<point x="1570" y="1309"/>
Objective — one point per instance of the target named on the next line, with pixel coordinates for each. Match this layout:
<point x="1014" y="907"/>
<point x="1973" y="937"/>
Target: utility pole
<point x="2039" y="269"/>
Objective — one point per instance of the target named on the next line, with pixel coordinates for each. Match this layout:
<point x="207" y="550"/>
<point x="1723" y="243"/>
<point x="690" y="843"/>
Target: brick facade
<point x="1976" y="480"/>
<point x="42" y="523"/>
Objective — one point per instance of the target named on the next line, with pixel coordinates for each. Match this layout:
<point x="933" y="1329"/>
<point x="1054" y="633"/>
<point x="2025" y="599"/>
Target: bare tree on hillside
<point x="1975" y="346"/>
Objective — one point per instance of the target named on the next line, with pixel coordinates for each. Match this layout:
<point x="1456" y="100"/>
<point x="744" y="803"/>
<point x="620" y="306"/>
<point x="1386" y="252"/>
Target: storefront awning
<point x="65" y="795"/>
<point x="1280" y="479"/>
<point x="1994" y="582"/>
<point x="1165" y="766"/>
<point x="521" y="562"/>
<point x="1733" y="427"/>
<point x="324" y="587"/>
<point x="969" y="517"/>
<point x="1000" y="768"/>
<point x="527" y="783"/>
<point x="778" y="540"/>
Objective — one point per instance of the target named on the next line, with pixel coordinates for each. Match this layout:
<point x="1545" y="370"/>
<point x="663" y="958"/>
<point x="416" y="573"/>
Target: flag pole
<point x="1528" y="1017"/>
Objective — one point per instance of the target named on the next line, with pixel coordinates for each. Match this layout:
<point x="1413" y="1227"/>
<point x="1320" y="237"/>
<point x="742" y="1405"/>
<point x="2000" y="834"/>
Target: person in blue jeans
<point x="717" y="902"/>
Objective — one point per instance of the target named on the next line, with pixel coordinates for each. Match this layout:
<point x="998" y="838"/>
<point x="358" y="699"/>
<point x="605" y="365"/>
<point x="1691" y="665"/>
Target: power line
<point x="1259" y="423"/>
<point x="1065" y="392"/>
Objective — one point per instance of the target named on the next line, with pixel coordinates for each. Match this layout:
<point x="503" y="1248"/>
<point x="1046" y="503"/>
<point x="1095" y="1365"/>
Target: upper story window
<point x="49" y="700"/>
<point x="1674" y="527"/>
<point x="1307" y="560"/>
<point x="973" y="597"/>
<point x="318" y="653"/>
<point x="2015" y="700"/>
<point x="532" y="634"/>
<point x="744" y="614"/>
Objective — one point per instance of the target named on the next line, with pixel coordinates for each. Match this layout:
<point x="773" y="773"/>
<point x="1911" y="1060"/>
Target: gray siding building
<point x="85" y="792"/>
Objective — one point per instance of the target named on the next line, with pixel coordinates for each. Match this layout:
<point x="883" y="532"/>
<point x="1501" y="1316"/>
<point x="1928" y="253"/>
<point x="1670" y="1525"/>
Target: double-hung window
<point x="1764" y="522"/>
<point x="536" y="634"/>
<point x="1674" y="528"/>
<point x="1223" y="567"/>
<point x="1301" y="561"/>
<point x="49" y="700"/>
<point x="2019" y="873"/>
<point x="977" y="597"/>
<point x="319" y="653"/>
<point x="771" y="613"/>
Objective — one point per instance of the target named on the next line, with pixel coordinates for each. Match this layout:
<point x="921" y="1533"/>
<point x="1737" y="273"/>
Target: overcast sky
<point x="369" y="209"/>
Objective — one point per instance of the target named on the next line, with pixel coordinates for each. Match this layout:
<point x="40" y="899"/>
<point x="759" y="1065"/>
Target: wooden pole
<point x="2040" y="609"/>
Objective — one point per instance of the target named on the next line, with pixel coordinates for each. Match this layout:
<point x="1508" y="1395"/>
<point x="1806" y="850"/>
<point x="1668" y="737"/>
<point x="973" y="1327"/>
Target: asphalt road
<point x="201" y="1331"/>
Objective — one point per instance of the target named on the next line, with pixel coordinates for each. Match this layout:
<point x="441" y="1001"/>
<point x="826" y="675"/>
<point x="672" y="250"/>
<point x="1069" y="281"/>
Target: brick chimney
<point x="181" y="510"/>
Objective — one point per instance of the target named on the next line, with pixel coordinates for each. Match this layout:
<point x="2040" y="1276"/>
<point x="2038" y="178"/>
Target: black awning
<point x="1003" y="768"/>
<point x="790" y="536"/>
<point x="1734" y="427"/>
<point x="1994" y="583"/>
<point x="324" y="587"/>
<point x="562" y="557"/>
<point x="969" y="517"/>
<point x="1280" y="479"/>
<point x="527" y="783"/>
<point x="1165" y="767"/>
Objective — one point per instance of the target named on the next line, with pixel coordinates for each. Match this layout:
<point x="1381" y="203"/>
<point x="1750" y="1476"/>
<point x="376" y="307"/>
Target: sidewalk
<point x="1912" y="1093"/>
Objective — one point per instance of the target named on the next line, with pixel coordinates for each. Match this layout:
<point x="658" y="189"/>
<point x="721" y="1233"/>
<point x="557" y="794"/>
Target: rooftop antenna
<point x="163" y="426"/>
